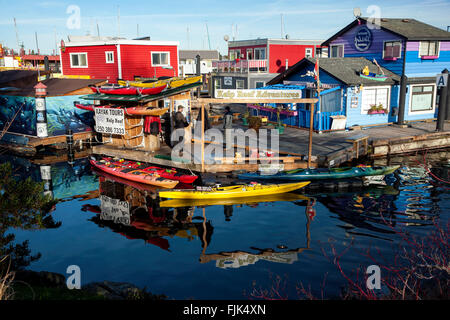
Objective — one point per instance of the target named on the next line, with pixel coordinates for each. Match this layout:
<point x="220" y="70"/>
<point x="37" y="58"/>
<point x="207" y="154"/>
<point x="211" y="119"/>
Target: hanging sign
<point x="109" y="120"/>
<point x="115" y="210"/>
<point x="363" y="39"/>
<point x="441" y="80"/>
<point x="257" y="94"/>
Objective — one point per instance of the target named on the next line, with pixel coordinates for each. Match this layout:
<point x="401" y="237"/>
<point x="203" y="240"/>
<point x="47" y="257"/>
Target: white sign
<point x="114" y="209"/>
<point x="257" y="94"/>
<point x="228" y="81"/>
<point x="109" y="120"/>
<point x="441" y="80"/>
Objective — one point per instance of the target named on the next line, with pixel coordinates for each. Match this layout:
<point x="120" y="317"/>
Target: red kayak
<point x="134" y="174"/>
<point x="116" y="90"/>
<point x="150" y="91"/>
<point x="171" y="174"/>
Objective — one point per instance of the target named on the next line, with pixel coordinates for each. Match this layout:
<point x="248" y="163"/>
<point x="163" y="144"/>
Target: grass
<point x="5" y="281"/>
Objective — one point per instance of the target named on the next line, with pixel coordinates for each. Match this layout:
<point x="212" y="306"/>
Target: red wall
<point x="137" y="61"/>
<point x="97" y="66"/>
<point x="278" y="53"/>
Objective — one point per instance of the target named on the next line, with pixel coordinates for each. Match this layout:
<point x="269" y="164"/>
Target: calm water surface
<point x="118" y="232"/>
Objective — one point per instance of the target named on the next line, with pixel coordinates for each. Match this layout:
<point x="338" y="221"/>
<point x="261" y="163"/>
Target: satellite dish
<point x="287" y="36"/>
<point x="226" y="37"/>
<point x="357" y="12"/>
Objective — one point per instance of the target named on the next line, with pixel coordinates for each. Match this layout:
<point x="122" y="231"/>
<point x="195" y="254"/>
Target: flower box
<point x="428" y="57"/>
<point x="376" y="112"/>
<point x="390" y="58"/>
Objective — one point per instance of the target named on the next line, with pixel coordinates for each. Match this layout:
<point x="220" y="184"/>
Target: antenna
<point x="207" y="32"/>
<point x="37" y="47"/>
<point x="98" y="30"/>
<point x="17" y="35"/>
<point x="118" y="21"/>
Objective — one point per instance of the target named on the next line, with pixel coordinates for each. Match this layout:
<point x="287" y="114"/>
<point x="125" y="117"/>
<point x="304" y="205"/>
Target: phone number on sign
<point x="111" y="130"/>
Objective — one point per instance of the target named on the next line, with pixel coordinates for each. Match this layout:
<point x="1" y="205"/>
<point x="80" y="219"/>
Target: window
<point x="392" y="49"/>
<point x="249" y="54"/>
<point x="429" y="48"/>
<point x="374" y="96"/>
<point x="109" y="56"/>
<point x="160" y="58"/>
<point x="260" y="53"/>
<point x="422" y="98"/>
<point x="259" y="84"/>
<point x="337" y="51"/>
<point x="78" y="60"/>
<point x="217" y="83"/>
<point x="239" y="84"/>
<point x="308" y="52"/>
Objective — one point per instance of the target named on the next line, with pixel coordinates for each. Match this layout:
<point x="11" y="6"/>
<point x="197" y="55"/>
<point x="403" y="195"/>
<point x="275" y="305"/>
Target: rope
<point x="11" y="122"/>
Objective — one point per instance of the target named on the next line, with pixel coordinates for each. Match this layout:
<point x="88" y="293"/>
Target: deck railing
<point x="239" y="66"/>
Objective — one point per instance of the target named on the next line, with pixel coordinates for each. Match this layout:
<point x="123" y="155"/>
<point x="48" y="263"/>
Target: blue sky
<point x="171" y="20"/>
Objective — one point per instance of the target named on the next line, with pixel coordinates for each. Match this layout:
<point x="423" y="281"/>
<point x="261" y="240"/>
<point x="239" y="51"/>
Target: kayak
<point x="127" y="90"/>
<point x="172" y="82"/>
<point x="238" y="191"/>
<point x="134" y="174"/>
<point x="322" y="173"/>
<point x="176" y="203"/>
<point x="171" y="174"/>
<point x="116" y="90"/>
<point x="374" y="76"/>
<point x="143" y="111"/>
<point x="136" y="185"/>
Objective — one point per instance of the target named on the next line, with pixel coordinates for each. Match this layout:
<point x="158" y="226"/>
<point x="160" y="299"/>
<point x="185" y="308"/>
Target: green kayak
<point x="321" y="174"/>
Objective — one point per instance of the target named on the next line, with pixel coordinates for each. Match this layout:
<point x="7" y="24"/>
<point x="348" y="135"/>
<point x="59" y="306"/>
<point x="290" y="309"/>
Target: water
<point x="229" y="252"/>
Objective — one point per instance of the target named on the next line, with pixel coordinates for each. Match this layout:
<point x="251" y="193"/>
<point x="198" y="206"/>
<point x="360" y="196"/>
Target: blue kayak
<point x="321" y="174"/>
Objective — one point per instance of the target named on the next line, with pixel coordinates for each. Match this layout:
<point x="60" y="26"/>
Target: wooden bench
<point x="356" y="140"/>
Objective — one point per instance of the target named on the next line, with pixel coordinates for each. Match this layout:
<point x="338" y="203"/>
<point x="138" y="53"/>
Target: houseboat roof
<point x="345" y="70"/>
<point x="410" y="29"/>
<point x="265" y="41"/>
<point x="204" y="54"/>
<point x="81" y="42"/>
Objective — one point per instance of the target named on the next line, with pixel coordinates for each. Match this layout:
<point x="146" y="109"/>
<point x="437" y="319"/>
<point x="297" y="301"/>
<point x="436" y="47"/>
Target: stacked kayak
<point x="237" y="191"/>
<point x="127" y="90"/>
<point x="171" y="174"/>
<point x="171" y="82"/>
<point x="321" y="174"/>
<point x="133" y="174"/>
<point x="143" y="111"/>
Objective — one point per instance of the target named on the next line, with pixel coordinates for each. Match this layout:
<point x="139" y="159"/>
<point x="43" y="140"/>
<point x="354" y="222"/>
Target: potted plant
<point x="377" y="109"/>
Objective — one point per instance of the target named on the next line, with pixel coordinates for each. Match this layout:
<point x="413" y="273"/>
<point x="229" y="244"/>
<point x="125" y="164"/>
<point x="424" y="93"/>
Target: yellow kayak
<point x="176" y="203"/>
<point x="171" y="83"/>
<point x="238" y="191"/>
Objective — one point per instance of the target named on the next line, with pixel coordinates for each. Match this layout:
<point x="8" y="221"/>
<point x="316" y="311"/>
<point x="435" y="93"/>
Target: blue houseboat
<point x="404" y="46"/>
<point x="392" y="50"/>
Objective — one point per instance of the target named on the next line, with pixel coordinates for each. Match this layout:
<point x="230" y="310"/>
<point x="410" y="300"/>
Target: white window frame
<point x="263" y="82"/>
<point x="78" y="53"/>
<point x="259" y="53"/>
<point x="438" y="47"/>
<point x="401" y="47"/>
<point x="337" y="45"/>
<point x="250" y="50"/>
<point x="410" y="111"/>
<point x="217" y="83"/>
<point x="106" y="56"/>
<point x="310" y="50"/>
<point x="388" y="100"/>
<point x="243" y="83"/>
<point x="159" y="52"/>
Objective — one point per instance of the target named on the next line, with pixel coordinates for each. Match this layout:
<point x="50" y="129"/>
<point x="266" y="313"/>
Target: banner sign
<point x="109" y="120"/>
<point x="257" y="94"/>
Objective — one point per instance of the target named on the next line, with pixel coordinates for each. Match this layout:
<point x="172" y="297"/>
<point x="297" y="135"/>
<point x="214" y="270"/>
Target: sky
<point x="200" y="25"/>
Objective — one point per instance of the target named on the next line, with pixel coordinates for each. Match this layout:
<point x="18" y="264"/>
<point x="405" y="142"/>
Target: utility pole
<point x="443" y="92"/>
<point x="17" y="35"/>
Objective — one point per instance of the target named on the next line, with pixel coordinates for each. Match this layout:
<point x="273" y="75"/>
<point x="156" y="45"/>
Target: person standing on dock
<point x="180" y="120"/>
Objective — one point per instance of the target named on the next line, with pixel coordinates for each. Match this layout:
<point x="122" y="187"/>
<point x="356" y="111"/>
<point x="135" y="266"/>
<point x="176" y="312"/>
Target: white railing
<point x="240" y="65"/>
